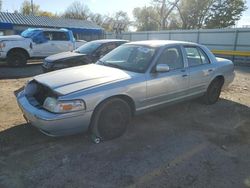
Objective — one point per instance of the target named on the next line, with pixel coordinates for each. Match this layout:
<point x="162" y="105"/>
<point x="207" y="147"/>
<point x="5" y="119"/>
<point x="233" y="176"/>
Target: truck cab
<point x="35" y="43"/>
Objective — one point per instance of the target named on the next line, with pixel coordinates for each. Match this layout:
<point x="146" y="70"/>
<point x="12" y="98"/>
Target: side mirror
<point x="162" y="68"/>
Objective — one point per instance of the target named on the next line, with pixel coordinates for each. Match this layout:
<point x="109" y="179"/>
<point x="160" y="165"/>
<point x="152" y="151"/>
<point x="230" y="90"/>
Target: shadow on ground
<point x="31" y="69"/>
<point x="184" y="145"/>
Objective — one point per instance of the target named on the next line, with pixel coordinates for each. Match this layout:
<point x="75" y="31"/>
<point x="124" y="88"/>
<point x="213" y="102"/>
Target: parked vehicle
<point x="133" y="78"/>
<point x="90" y="52"/>
<point x="36" y="43"/>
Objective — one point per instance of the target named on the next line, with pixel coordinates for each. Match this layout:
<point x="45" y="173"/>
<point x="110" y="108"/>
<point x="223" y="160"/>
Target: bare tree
<point x="26" y="8"/>
<point x="164" y="9"/>
<point x="77" y="10"/>
<point x="96" y="18"/>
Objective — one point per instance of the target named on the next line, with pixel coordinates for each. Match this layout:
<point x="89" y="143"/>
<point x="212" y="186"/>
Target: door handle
<point x="183" y="70"/>
<point x="184" y="75"/>
<point x="210" y="70"/>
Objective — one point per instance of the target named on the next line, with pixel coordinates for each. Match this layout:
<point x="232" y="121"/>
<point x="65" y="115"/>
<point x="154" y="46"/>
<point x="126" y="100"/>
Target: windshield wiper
<point x="101" y="62"/>
<point x="112" y="65"/>
<point x="76" y="51"/>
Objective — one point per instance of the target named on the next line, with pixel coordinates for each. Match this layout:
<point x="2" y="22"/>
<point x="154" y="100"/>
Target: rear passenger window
<point x="60" y="36"/>
<point x="196" y="56"/>
<point x="53" y="35"/>
<point x="107" y="48"/>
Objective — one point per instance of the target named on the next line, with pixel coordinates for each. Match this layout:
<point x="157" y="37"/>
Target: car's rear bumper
<point x="228" y="79"/>
<point x="53" y="124"/>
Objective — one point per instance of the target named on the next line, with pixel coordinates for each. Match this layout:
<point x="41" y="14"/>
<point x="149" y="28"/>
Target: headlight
<point x="56" y="106"/>
<point x="2" y="45"/>
<point x="47" y="64"/>
<point x="59" y="65"/>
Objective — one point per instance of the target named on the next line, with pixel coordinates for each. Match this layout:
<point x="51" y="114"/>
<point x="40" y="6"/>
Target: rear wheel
<point x="16" y="58"/>
<point x="111" y="119"/>
<point x="213" y="92"/>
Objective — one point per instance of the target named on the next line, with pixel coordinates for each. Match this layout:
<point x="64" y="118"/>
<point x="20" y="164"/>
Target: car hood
<point x="63" y="55"/>
<point x="82" y="77"/>
<point x="11" y="38"/>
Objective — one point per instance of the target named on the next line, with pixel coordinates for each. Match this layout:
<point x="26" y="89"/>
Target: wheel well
<point x="126" y="98"/>
<point x="18" y="50"/>
<point x="221" y="78"/>
<point x="129" y="100"/>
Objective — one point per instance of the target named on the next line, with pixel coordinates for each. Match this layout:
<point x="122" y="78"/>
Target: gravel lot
<point x="184" y="145"/>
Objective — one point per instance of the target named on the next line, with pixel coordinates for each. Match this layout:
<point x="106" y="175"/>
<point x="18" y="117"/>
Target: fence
<point x="230" y="43"/>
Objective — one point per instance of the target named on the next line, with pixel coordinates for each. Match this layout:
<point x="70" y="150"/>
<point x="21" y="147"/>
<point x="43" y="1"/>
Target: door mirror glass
<point x="162" y="68"/>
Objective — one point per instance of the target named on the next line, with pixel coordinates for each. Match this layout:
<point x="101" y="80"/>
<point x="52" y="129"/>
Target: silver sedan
<point x="131" y="79"/>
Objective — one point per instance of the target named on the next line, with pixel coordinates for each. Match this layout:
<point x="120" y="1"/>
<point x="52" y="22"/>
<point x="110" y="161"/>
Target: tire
<point x="213" y="92"/>
<point x="111" y="119"/>
<point x="16" y="58"/>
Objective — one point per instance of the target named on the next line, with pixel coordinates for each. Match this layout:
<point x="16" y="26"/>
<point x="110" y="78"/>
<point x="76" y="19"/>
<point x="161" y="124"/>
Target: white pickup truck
<point x="36" y="43"/>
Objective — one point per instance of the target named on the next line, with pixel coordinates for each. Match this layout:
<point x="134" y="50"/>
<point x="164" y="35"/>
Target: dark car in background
<point x="90" y="52"/>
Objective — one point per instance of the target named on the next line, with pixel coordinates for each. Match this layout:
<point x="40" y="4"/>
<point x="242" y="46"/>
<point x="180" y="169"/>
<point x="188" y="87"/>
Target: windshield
<point x="30" y="33"/>
<point x="88" y="48"/>
<point x="135" y="58"/>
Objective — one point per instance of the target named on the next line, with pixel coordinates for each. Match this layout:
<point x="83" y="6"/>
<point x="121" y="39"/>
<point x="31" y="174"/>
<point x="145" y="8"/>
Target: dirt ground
<point x="184" y="145"/>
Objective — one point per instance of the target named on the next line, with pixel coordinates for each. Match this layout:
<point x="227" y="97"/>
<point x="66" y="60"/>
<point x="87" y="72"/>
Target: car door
<point x="61" y="42"/>
<point x="199" y="68"/>
<point x="168" y="86"/>
<point x="41" y="47"/>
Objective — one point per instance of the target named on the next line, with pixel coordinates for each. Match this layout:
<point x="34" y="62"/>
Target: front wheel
<point x="16" y="58"/>
<point x="111" y="119"/>
<point x="213" y="92"/>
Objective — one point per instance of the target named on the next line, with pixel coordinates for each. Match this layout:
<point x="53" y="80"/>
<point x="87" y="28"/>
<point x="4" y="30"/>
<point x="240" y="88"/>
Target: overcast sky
<point x="98" y="6"/>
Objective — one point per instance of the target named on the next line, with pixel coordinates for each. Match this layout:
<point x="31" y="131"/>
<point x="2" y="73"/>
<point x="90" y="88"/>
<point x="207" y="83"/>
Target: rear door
<point x="199" y="67"/>
<point x="168" y="86"/>
<point x="60" y="42"/>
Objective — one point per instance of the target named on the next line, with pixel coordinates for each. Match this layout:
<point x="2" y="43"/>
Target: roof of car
<point x="110" y="40"/>
<point x="159" y="43"/>
<point x="48" y="29"/>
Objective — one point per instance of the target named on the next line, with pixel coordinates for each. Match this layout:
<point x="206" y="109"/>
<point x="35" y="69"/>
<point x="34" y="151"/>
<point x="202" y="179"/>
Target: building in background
<point x="15" y="23"/>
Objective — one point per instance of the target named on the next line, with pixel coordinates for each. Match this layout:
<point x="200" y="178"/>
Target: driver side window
<point x="106" y="49"/>
<point x="172" y="57"/>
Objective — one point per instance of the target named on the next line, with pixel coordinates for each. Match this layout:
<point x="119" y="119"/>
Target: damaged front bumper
<point x="53" y="124"/>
